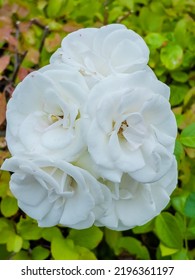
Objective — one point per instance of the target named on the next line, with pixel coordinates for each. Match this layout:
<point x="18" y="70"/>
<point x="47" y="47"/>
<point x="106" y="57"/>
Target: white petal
<point x="88" y="222"/>
<point x="97" y="145"/>
<point x="77" y="208"/>
<point x="64" y="74"/>
<point x="133" y="99"/>
<point x="85" y="35"/>
<point x="169" y="180"/>
<point x="117" y="36"/>
<point x="57" y="138"/>
<point x="52" y="218"/>
<point x="56" y="57"/>
<point x="77" y="42"/>
<point x="106" y="112"/>
<point x="27" y="97"/>
<point x="147" y="80"/>
<point x="126" y="56"/>
<point x="164" y="139"/>
<point x="156" y="110"/>
<point x="156" y="166"/>
<point x="27" y="189"/>
<point x="30" y="132"/>
<point x="109" y="219"/>
<point x="36" y="212"/>
<point x="102" y="33"/>
<point x="85" y="162"/>
<point x="124" y="159"/>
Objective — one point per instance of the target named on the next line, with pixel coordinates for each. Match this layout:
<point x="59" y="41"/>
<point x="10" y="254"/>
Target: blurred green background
<point x="30" y="31"/>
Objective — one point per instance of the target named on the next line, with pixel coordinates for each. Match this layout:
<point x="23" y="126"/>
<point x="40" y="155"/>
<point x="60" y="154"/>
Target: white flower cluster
<point x="92" y="134"/>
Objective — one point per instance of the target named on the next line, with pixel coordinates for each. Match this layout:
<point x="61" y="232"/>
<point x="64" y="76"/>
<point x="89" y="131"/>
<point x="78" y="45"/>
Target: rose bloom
<point x="130" y="127"/>
<point x="57" y="192"/>
<point x="99" y="52"/>
<point x="135" y="203"/>
<point x="92" y="134"/>
<point x="43" y="116"/>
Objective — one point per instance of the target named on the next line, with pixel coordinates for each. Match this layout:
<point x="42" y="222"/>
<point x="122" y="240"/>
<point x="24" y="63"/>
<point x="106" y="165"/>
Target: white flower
<point x="131" y="127"/>
<point x="56" y="192"/>
<point x="135" y="203"/>
<point x="43" y="116"/>
<point x="99" y="52"/>
<point x="92" y="134"/>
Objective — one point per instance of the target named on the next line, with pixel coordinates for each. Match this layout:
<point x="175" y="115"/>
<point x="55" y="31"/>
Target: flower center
<point x="55" y="118"/>
<point x="122" y="128"/>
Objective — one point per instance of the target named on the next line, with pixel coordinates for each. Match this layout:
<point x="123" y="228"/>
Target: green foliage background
<point x="30" y="31"/>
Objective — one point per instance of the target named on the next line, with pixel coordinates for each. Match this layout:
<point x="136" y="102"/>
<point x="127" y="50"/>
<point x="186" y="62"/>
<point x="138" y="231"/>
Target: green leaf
<point x="26" y="244"/>
<point x="179" y="151"/>
<point x="22" y="255"/>
<point x="168" y="231"/>
<point x="190" y="233"/>
<point x="54" y="25"/>
<point x="134" y="247"/>
<point x="179" y="119"/>
<point x="157" y="7"/>
<point x="29" y="229"/>
<point x="4" y="254"/>
<point x="154" y="58"/>
<point x="144" y="2"/>
<point x="171" y="56"/>
<point x="9" y="206"/>
<point x="155" y="40"/>
<point x="127" y="3"/>
<point x="181" y="223"/>
<point x="189" y="208"/>
<point x="187" y="137"/>
<point x="189" y="59"/>
<point x="6" y="224"/>
<point x="178" y="93"/>
<point x="63" y="249"/>
<point x="189" y="96"/>
<point x="166" y="251"/>
<point x="5" y="235"/>
<point x="145" y="228"/>
<point x="6" y="230"/>
<point x="41" y="4"/>
<point x="115" y="13"/>
<point x="154" y="23"/>
<point x="84" y="11"/>
<point x="167" y="3"/>
<point x="112" y="237"/>
<point x="85" y="254"/>
<point x="50" y="233"/>
<point x="180" y="32"/>
<point x="159" y="70"/>
<point x="178" y="201"/>
<point x="191" y="43"/>
<point x="178" y="3"/>
<point x="179" y="76"/>
<point x="14" y="243"/>
<point x="40" y="253"/>
<point x="89" y="238"/>
<point x="4" y="183"/>
<point x="54" y="8"/>
<point x="181" y="255"/>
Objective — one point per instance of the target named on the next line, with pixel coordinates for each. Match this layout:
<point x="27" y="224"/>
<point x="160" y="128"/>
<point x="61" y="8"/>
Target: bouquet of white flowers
<point x="92" y="134"/>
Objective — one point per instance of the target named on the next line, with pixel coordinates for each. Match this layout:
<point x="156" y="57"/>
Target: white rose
<point x="131" y="127"/>
<point x="56" y="192"/>
<point x="135" y="203"/>
<point x="43" y="116"/>
<point x="99" y="52"/>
